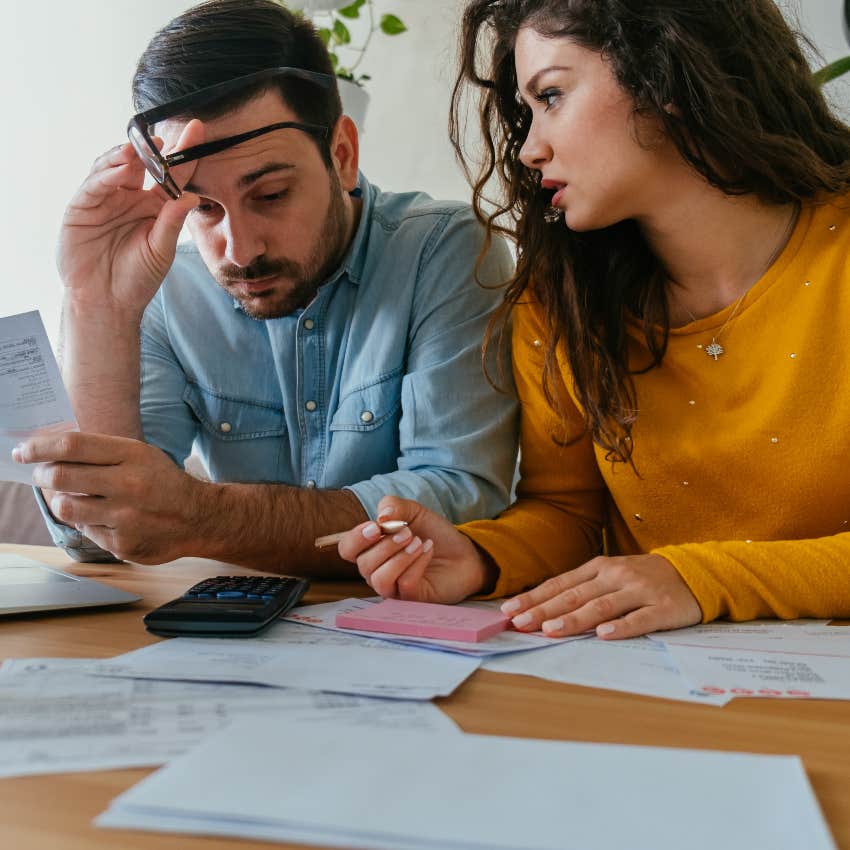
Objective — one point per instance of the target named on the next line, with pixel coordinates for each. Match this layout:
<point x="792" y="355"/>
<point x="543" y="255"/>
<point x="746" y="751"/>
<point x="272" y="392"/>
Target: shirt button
<point x="367" y="416"/>
<point x="309" y="324"/>
<point x="311" y="406"/>
<point x="225" y="427"/>
<point x="311" y="483"/>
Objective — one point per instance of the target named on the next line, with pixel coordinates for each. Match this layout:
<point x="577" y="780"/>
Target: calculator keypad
<point x="237" y="588"/>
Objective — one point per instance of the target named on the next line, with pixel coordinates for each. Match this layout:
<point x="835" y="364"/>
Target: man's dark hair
<point x="220" y="40"/>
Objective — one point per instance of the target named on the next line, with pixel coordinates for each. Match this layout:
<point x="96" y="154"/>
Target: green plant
<point x="333" y="28"/>
<point x="833" y="70"/>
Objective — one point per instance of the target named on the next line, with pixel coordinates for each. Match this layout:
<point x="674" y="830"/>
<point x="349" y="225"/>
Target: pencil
<point x="389" y="527"/>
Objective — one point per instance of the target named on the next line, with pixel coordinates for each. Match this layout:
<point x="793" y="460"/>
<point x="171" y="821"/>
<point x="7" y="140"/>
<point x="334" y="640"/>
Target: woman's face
<point x="604" y="164"/>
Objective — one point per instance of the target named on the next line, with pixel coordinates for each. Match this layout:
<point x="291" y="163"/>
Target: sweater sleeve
<point x="556" y="522"/>
<point x="779" y="578"/>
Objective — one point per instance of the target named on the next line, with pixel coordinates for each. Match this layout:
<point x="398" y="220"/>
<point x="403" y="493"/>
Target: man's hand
<point x="125" y="495"/>
<point x="118" y="239"/>
<point x="618" y="597"/>
<point x="429" y="561"/>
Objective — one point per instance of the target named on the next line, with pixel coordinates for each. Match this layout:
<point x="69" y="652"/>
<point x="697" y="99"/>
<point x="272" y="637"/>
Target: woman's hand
<point x="429" y="561"/>
<point x="618" y="597"/>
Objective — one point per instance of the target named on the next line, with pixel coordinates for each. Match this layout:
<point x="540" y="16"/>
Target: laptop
<point x="27" y="585"/>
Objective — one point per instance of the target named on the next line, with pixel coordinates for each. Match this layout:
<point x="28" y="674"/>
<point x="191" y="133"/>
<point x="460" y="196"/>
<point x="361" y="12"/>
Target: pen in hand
<point x="389" y="527"/>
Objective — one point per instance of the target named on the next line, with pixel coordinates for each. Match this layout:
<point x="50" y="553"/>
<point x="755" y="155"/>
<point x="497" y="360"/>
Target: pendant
<point x="552" y="215"/>
<point x="715" y="349"/>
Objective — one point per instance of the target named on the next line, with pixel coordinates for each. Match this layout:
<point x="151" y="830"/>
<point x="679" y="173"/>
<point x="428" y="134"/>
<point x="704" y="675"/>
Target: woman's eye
<point x="548" y="97"/>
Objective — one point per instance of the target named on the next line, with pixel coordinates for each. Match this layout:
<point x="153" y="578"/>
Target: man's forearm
<point x="273" y="527"/>
<point x="100" y="367"/>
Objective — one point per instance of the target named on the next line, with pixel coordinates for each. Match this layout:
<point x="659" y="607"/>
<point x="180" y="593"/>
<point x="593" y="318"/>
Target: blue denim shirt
<point x="376" y="386"/>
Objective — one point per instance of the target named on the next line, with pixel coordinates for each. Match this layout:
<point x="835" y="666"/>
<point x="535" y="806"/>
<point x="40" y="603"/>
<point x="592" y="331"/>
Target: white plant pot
<point x="312" y="6"/>
<point x="355" y="100"/>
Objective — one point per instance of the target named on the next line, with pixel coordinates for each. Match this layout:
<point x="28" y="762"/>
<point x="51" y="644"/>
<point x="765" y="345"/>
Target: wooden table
<point x="56" y="811"/>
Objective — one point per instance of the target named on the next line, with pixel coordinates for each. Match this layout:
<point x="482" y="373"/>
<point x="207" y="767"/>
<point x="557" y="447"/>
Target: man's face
<point x="272" y="221"/>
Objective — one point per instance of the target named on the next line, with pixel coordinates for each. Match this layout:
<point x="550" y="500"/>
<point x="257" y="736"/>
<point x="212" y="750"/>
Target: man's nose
<point x="243" y="243"/>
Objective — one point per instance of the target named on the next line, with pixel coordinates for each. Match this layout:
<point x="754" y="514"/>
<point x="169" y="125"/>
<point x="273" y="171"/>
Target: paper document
<point x="637" y="665"/>
<point x="290" y="655"/>
<point x="54" y="719"/>
<point x="324" y="616"/>
<point x="806" y="659"/>
<point x="32" y="395"/>
<point x="403" y="791"/>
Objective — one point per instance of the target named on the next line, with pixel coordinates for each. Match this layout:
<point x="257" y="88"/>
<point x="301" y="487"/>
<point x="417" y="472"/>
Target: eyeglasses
<point x="159" y="165"/>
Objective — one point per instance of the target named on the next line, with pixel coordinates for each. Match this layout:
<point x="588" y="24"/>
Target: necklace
<point x="714" y="349"/>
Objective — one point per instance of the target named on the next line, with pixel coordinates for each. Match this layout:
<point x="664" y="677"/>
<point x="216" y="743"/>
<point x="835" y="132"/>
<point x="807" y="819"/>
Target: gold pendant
<point x="715" y="349"/>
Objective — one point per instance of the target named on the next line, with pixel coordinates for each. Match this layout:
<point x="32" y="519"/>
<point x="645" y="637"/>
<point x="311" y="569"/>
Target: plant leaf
<point x="831" y="71"/>
<point x="392" y="25"/>
<point x="341" y="35"/>
<point x="352" y="10"/>
<point x="325" y="34"/>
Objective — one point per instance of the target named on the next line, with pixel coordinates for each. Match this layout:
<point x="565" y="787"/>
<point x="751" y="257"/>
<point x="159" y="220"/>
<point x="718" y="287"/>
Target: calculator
<point x="227" y="606"/>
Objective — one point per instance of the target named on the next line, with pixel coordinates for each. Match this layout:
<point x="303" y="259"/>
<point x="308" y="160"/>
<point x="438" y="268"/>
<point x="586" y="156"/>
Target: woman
<point x="679" y="192"/>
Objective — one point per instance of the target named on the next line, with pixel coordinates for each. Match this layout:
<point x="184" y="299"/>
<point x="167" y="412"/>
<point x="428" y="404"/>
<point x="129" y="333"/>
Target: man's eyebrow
<point x="530" y="86"/>
<point x="248" y="179"/>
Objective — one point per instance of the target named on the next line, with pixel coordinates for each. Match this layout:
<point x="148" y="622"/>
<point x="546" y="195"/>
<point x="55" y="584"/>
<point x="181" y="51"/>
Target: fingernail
<point x="553" y="625"/>
<point x="605" y="629"/>
<point x="522" y="620"/>
<point x="415" y="544"/>
<point x="403" y="535"/>
<point x="371" y="531"/>
<point x="389" y="510"/>
<point x="429" y="545"/>
<point x="17" y="453"/>
<point x="510" y="606"/>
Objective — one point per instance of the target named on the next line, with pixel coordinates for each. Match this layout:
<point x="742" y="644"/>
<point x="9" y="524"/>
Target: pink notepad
<point x="426" y="619"/>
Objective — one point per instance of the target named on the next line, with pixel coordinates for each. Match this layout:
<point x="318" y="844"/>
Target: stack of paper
<point x="399" y="790"/>
<point x="290" y="655"/>
<point x="638" y="666"/>
<point x="54" y="718"/>
<point x="794" y="660"/>
<point x="324" y="617"/>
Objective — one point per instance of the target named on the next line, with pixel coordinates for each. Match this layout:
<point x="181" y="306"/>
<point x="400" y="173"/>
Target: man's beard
<point x="302" y="280"/>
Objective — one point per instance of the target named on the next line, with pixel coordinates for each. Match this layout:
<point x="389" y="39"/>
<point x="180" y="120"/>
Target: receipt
<point x="32" y="395"/>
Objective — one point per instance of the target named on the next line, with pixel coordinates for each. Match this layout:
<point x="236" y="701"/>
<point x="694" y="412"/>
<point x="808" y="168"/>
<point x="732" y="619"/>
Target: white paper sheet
<point x="32" y="395"/>
<point x="792" y="660"/>
<point x="404" y="790"/>
<point x="638" y="666"/>
<point x="323" y="616"/>
<point x="290" y="655"/>
<point x="54" y="719"/>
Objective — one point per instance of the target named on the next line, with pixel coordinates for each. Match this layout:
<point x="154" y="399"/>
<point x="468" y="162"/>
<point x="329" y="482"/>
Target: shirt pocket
<point x="229" y="418"/>
<point x="368" y="407"/>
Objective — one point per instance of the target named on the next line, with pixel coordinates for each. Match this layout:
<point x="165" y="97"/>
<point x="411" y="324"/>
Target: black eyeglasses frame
<point x="158" y="164"/>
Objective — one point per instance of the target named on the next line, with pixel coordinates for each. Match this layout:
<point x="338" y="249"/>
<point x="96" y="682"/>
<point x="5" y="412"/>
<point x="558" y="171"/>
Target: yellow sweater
<point x="744" y="461"/>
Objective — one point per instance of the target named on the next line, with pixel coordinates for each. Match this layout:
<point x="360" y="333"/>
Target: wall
<point x="64" y="79"/>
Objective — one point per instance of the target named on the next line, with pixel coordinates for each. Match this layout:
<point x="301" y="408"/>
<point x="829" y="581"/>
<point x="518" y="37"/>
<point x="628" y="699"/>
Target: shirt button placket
<point x="309" y="356"/>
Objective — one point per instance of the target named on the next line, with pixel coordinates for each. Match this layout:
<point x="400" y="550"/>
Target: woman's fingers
<point x="384" y="580"/>
<point x="549" y="589"/>
<point x="566" y="602"/>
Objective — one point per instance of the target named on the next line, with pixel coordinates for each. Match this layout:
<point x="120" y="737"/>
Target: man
<point x="318" y="343"/>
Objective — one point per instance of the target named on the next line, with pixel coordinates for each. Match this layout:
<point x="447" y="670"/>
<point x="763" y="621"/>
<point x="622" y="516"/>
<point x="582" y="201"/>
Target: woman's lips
<point x="558" y="187"/>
